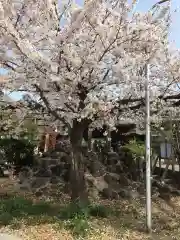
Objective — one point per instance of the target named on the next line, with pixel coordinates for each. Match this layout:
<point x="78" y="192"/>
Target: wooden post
<point x="46" y="145"/>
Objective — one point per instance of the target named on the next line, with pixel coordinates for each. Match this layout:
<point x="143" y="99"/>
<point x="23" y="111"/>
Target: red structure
<point x="48" y="139"/>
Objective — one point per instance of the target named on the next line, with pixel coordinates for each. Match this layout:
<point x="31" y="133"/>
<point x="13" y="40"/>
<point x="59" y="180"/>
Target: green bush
<point x="76" y="218"/>
<point x="99" y="211"/>
<point x="73" y="210"/>
<point x="5" y="218"/>
<point x="136" y="148"/>
<point x="18" y="151"/>
<point x="18" y="207"/>
<point x="40" y="209"/>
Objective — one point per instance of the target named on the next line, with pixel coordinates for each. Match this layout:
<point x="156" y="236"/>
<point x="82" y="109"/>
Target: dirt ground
<point x="129" y="224"/>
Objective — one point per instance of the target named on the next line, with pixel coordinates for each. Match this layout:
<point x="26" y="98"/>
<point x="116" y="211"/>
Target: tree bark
<point x="77" y="177"/>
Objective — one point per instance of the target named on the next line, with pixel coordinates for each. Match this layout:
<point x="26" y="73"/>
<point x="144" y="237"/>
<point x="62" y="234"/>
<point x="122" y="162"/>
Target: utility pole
<point x="148" y="154"/>
<point x="148" y="145"/>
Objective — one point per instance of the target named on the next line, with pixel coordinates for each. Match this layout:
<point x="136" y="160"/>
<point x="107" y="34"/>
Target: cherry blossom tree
<point x="87" y="71"/>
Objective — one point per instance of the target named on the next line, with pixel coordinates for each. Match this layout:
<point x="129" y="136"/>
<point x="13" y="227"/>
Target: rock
<point x="4" y="236"/>
<point x="113" y="155"/>
<point x="43" y="173"/>
<point x="57" y="169"/>
<point x="123" y="180"/>
<point x="111" y="177"/>
<point x="25" y="174"/>
<point x="94" y="193"/>
<point x="67" y="188"/>
<point x="141" y="189"/>
<point x="61" y="170"/>
<point x="39" y="182"/>
<point x="54" y="155"/>
<point x="112" y="158"/>
<point x="56" y="180"/>
<point x="129" y="194"/>
<point x="96" y="168"/>
<point x="176" y="192"/>
<point x="97" y="182"/>
<point x="25" y="185"/>
<point x="110" y="194"/>
<point x="47" y="161"/>
<point x="108" y="191"/>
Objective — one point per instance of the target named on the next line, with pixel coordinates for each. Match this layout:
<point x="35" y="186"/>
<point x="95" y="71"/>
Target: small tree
<point x="87" y="72"/>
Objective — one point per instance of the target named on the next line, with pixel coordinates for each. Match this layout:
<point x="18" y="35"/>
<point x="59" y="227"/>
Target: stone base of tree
<point x="100" y="181"/>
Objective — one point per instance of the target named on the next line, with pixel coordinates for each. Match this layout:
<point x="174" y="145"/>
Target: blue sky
<point x="143" y="5"/>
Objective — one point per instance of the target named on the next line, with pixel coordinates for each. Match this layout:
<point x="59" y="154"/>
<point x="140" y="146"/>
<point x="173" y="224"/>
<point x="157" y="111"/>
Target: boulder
<point x="128" y="194"/>
<point x="25" y="174"/>
<point x="56" y="180"/>
<point x="111" y="177"/>
<point x="40" y="182"/>
<point x="109" y="193"/>
<point x="123" y="180"/>
<point x="113" y="157"/>
<point x="43" y="173"/>
<point x="98" y="182"/>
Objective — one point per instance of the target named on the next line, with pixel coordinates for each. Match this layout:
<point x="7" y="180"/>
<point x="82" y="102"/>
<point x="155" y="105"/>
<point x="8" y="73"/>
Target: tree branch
<point x="46" y="102"/>
<point x="159" y="3"/>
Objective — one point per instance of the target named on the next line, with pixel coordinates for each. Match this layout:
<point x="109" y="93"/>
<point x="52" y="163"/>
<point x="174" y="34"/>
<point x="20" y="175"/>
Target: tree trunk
<point x="77" y="178"/>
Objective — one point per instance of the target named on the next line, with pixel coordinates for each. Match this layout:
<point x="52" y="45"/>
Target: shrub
<point x="5" y="218"/>
<point x="137" y="149"/>
<point x="19" y="208"/>
<point x="99" y="211"/>
<point x="19" y="152"/>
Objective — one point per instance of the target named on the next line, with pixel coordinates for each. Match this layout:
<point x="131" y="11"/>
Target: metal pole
<point x="148" y="154"/>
